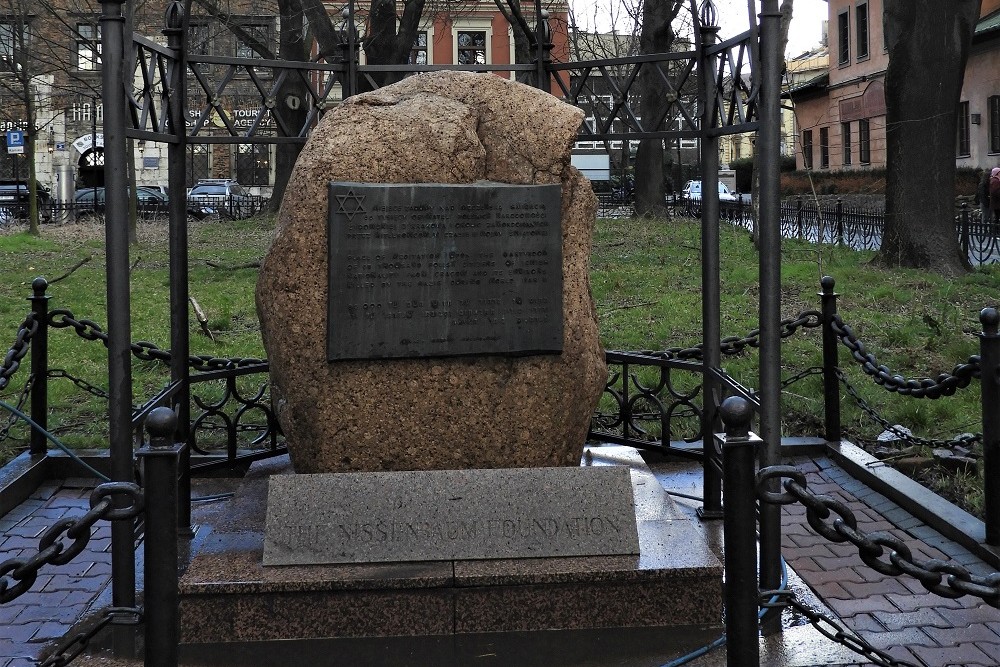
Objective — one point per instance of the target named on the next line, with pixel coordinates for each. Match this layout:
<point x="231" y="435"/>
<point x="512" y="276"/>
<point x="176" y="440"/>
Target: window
<point x="13" y="38"/>
<point x="472" y="47"/>
<point x="864" y="142"/>
<point x="257" y="41"/>
<point x="845" y="141"/>
<point x="198" y="162"/>
<point x="88" y="47"/>
<point x="861" y="28"/>
<point x="993" y="114"/>
<point x="844" y="37"/>
<point x="824" y="148"/>
<point x="807" y="149"/>
<point x="253" y="164"/>
<point x="962" y="140"/>
<point x="418" y="54"/>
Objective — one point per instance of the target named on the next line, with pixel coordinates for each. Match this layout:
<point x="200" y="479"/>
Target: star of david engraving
<point x="350" y="204"/>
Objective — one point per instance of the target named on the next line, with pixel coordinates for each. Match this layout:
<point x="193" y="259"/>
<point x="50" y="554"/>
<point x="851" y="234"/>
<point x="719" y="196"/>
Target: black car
<point x="14" y="196"/>
<point x="90" y="202"/>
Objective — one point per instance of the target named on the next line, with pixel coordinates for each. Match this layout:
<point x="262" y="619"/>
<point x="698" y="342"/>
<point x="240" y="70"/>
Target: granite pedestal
<point x="227" y="595"/>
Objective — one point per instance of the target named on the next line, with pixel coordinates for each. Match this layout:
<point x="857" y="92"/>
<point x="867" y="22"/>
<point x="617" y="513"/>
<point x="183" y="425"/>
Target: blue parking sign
<point x="15" y="141"/>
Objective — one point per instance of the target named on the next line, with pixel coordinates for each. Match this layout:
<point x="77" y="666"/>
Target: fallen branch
<point x="74" y="268"/>
<point x="234" y="267"/>
<point x="202" y="319"/>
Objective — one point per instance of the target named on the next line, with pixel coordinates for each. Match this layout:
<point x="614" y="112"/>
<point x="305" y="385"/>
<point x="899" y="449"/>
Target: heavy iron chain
<point x="733" y="345"/>
<point x="12" y="418"/>
<point x="965" y="440"/>
<point x="72" y="646"/>
<point x="82" y="384"/>
<point x="831" y="629"/>
<point x="945" y="384"/>
<point x="12" y="360"/>
<point x="957" y="580"/>
<point x="146" y="351"/>
<point x="52" y="550"/>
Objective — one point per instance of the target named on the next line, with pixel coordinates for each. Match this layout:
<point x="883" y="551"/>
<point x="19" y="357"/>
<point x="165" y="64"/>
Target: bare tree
<point x="928" y="45"/>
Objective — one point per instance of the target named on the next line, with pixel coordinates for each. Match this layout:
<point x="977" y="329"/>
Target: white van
<point x="692" y="190"/>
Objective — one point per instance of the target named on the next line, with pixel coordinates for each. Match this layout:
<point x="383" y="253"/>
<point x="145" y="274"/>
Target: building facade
<point x="57" y="58"/>
<point x="840" y="114"/>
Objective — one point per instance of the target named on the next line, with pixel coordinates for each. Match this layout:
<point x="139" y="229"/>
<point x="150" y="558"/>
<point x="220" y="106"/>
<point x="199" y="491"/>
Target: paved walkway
<point x="894" y="613"/>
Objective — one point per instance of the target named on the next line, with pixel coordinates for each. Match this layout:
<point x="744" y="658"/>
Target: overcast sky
<point x="804" y="34"/>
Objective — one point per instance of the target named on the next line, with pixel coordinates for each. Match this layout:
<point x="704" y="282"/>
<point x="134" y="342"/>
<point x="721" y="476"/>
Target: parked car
<point x="14" y="196"/>
<point x="90" y="202"/>
<point x="223" y="196"/>
<point x="692" y="191"/>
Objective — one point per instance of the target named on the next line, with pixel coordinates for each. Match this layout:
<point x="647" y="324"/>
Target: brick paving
<point x="892" y="613"/>
<point x="62" y="594"/>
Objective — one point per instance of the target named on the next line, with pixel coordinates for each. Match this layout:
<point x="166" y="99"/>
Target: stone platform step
<point x="227" y="595"/>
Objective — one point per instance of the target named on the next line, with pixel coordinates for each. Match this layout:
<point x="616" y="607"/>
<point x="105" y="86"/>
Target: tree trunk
<point x="928" y="49"/>
<point x="656" y="36"/>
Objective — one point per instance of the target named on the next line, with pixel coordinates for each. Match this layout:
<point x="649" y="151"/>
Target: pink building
<point x="840" y="115"/>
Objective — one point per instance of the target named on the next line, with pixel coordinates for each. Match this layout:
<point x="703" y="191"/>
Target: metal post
<point x="840" y="222"/>
<point x="768" y="139"/>
<point x="710" y="299"/>
<point x="965" y="228"/>
<point x="739" y="536"/>
<point x="543" y="45"/>
<point x="349" y="42"/>
<point x="40" y="366"/>
<point x="989" y="354"/>
<point x="175" y="21"/>
<point x="798" y="216"/>
<point x="160" y="460"/>
<point x="831" y="383"/>
<point x="118" y="301"/>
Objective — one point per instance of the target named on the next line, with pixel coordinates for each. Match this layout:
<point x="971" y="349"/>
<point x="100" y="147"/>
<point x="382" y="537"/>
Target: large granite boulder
<point x="445" y="412"/>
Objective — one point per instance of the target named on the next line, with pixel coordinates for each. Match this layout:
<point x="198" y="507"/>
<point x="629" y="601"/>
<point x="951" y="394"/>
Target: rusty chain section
<point x="12" y="360"/>
<point x="143" y="350"/>
<point x="965" y="440"/>
<point x="73" y="645"/>
<point x="944" y="384"/>
<point x="51" y="548"/>
<point x="944" y="578"/>
<point x="831" y="629"/>
<point x="733" y="345"/>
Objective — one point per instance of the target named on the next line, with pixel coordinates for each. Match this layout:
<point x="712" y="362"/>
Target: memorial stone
<point x="521" y="396"/>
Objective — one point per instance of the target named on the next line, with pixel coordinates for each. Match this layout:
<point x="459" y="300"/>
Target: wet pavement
<point x="895" y="614"/>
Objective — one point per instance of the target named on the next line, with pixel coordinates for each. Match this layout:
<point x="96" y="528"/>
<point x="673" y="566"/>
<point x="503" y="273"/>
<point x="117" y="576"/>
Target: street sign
<point x="15" y="142"/>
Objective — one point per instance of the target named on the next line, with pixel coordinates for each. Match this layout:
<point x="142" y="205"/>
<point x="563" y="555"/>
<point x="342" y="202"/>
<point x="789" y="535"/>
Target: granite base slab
<point x="227" y="595"/>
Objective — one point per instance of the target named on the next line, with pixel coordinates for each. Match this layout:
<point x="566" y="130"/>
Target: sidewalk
<point x="892" y="613"/>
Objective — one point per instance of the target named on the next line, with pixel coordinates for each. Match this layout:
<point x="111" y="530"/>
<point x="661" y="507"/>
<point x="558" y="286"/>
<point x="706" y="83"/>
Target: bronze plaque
<point x="430" y="270"/>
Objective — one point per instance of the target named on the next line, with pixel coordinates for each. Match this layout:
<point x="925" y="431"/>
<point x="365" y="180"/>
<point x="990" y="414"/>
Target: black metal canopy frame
<point x="712" y="90"/>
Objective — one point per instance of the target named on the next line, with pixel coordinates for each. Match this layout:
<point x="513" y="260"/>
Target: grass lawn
<point x="646" y="280"/>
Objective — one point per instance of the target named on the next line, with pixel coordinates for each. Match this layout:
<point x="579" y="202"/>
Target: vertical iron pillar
<point x="710" y="300"/>
<point x="40" y="366"/>
<point x="739" y="536"/>
<point x="770" y="280"/>
<point x="160" y="460"/>
<point x="989" y="351"/>
<point x="119" y="305"/>
<point x="175" y="21"/>
<point x="831" y="383"/>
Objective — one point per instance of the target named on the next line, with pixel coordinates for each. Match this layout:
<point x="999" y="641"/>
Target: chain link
<point x="733" y="345"/>
<point x="52" y="550"/>
<point x="72" y="646"/>
<point x="966" y="440"/>
<point x="943" y="578"/>
<point x="79" y="382"/>
<point x="144" y="350"/>
<point x="945" y="384"/>
<point x="12" y="360"/>
<point x="831" y="629"/>
<point x="12" y="418"/>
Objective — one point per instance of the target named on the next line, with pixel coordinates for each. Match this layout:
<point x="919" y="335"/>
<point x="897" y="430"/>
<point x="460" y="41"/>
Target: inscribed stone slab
<point x="429" y="270"/>
<point x="449" y="515"/>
